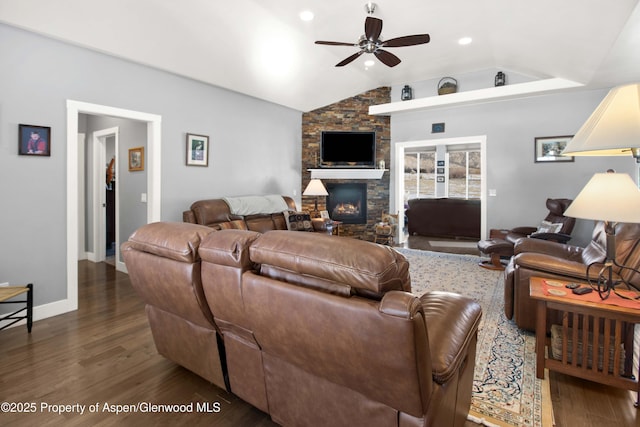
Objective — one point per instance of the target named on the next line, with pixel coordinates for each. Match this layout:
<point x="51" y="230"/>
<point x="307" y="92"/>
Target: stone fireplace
<point x="347" y="202"/>
<point x="350" y="115"/>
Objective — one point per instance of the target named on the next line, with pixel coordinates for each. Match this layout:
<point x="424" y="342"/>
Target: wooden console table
<point x="598" y="332"/>
<point x="8" y="292"/>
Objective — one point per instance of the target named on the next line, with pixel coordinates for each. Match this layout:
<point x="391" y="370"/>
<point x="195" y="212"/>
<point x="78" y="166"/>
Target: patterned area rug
<point x="506" y="391"/>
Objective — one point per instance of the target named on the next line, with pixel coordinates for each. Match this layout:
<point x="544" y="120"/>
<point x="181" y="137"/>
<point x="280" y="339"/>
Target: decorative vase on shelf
<point x="381" y="164"/>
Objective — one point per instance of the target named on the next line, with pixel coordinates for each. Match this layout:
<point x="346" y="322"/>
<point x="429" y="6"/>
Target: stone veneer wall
<point x="350" y="114"/>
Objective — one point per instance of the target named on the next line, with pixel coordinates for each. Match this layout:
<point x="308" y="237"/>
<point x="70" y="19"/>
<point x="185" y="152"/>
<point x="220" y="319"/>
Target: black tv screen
<point x="348" y="149"/>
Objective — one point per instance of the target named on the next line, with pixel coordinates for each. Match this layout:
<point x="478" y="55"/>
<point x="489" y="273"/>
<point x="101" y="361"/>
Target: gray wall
<point x="522" y="186"/>
<point x="255" y="145"/>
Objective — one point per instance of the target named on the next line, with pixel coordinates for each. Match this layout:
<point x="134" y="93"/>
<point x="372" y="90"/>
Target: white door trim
<point x="99" y="201"/>
<point x="153" y="151"/>
<point x="399" y="176"/>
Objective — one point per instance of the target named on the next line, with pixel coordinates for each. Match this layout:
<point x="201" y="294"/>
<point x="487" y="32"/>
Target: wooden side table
<point x="8" y="292"/>
<point x="598" y="332"/>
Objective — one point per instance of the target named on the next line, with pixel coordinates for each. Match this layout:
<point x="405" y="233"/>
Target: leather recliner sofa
<point x="312" y="329"/>
<point x="547" y="259"/>
<point x="217" y="214"/>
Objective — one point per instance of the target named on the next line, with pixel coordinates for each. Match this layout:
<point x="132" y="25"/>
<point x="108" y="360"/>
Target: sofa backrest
<point x="166" y="255"/>
<point x="332" y="264"/>
<point x="320" y="306"/>
<point x="213" y="212"/>
<point x="164" y="268"/>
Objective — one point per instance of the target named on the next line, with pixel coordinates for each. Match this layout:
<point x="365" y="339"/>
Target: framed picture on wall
<point x="136" y="159"/>
<point x="440" y="179"/>
<point x="197" y="150"/>
<point x="34" y="140"/>
<point x="549" y="149"/>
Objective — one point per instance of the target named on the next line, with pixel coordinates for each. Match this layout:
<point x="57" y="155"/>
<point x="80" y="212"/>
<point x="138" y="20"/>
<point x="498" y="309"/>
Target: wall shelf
<point x="329" y="173"/>
<point x="479" y="96"/>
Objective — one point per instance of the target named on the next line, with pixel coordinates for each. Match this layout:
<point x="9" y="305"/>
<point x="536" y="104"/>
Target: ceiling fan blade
<point x="336" y="43"/>
<point x="349" y="59"/>
<point x="387" y="58"/>
<point x="372" y="28"/>
<point x="407" y="40"/>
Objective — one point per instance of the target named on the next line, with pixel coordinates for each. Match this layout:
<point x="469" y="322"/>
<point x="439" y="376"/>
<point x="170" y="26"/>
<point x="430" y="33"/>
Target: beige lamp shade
<point x="315" y="188"/>
<point x="611" y="197"/>
<point x="613" y="129"/>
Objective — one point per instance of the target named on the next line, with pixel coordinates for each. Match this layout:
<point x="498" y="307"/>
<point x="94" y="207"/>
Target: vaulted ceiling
<point x="263" y="49"/>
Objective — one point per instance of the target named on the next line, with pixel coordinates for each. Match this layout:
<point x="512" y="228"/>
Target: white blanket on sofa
<point x="251" y="205"/>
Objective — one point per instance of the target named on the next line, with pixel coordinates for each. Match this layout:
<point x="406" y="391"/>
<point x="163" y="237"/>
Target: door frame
<point x="99" y="199"/>
<point x="400" y="148"/>
<point x="153" y="157"/>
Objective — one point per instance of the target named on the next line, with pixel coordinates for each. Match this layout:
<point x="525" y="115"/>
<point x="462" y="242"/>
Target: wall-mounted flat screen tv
<point x="348" y="149"/>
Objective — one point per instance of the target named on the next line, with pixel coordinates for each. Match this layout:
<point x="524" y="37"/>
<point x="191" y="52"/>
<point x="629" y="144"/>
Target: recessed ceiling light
<point x="465" y="40"/>
<point x="306" y="15"/>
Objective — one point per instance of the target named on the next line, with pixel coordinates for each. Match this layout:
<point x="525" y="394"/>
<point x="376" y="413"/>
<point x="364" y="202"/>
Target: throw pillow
<point x="298" y="221"/>
<point x="237" y="224"/>
<point x="548" y="227"/>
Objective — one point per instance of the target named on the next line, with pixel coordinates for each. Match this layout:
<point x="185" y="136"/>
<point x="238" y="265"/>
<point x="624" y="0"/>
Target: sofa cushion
<point x="298" y="221"/>
<point x="236" y="224"/>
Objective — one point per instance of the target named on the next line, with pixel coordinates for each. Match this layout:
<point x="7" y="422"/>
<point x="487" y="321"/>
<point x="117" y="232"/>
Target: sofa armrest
<point x="552" y="265"/>
<point x="524" y="231"/>
<point x="452" y="324"/>
<point x="548" y="247"/>
<point x="189" y="216"/>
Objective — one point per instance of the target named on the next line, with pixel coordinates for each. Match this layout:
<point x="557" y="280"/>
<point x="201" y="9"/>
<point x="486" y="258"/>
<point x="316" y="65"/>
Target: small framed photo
<point x="440" y="171"/>
<point x="440" y="163"/>
<point x="197" y="150"/>
<point x="136" y="159"/>
<point x="437" y="127"/>
<point x="440" y="179"/>
<point x="34" y="140"/>
<point x="324" y="214"/>
<point x="549" y="148"/>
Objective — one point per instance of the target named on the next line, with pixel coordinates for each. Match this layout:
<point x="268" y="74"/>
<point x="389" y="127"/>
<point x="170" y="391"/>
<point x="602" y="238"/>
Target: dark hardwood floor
<point x="103" y="354"/>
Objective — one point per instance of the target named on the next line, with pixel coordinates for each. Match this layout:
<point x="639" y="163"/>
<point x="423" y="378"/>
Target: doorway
<point x="402" y="148"/>
<point x="153" y="158"/>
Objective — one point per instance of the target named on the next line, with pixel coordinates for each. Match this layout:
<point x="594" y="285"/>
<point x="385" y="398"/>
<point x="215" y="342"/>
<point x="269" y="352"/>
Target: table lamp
<point x="613" y="129"/>
<point x="610" y="197"/>
<point x="315" y="188"/>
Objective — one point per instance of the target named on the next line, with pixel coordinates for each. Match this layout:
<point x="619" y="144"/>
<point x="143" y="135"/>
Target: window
<point x="464" y="174"/>
<point x="419" y="174"/>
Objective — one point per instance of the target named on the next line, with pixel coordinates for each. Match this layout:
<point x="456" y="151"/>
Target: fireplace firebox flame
<point x="346" y="209"/>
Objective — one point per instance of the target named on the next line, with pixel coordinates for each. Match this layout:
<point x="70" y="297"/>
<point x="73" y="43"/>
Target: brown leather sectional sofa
<point x="315" y="330"/>
<point x="215" y="213"/>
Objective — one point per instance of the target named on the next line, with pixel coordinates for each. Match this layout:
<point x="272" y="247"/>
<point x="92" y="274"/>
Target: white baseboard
<point x="45" y="311"/>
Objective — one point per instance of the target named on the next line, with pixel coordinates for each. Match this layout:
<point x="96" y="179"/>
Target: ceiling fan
<point x="371" y="42"/>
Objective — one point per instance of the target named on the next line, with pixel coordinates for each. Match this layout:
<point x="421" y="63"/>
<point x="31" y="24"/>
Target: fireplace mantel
<point x="330" y="173"/>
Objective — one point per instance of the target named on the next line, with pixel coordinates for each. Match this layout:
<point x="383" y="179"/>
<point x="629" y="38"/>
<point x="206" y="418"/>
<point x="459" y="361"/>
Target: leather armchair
<point x="501" y="242"/>
<point x="553" y="260"/>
